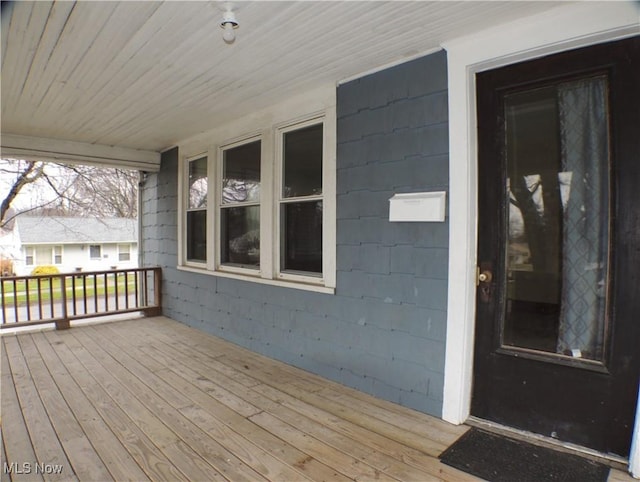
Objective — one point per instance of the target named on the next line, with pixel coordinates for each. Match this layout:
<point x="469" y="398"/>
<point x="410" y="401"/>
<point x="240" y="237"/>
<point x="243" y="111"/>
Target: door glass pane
<point x="240" y="235"/>
<point x="302" y="235"/>
<point x="558" y="204"/>
<point x="241" y="174"/>
<point x="303" y="162"/>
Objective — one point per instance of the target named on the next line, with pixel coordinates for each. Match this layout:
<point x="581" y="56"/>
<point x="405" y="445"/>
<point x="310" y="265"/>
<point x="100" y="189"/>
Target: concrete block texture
<point x="383" y="331"/>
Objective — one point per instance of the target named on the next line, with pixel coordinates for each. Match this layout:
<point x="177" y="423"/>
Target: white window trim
<point x="558" y="30"/>
<point x="269" y="229"/>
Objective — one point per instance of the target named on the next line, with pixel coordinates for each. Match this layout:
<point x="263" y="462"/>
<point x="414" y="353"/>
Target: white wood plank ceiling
<point x="146" y="75"/>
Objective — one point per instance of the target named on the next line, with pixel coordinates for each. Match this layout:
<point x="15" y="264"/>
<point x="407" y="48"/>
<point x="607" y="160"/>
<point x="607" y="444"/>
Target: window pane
<point x="57" y="255"/>
<point x="241" y="174"/>
<point x="557" y="188"/>
<point x="95" y="252"/>
<point x="198" y="183"/>
<point x="302" y="236"/>
<point x="124" y="252"/>
<point x="303" y="162"/>
<point x="197" y="235"/>
<point x="240" y="235"/>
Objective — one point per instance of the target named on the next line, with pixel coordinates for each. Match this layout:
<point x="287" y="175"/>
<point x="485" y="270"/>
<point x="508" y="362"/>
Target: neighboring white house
<point x="73" y="244"/>
<point x="9" y="250"/>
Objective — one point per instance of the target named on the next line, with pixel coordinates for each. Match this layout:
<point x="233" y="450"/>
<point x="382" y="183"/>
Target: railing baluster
<point x="73" y="294"/>
<point x="51" y="299"/>
<point x="40" y="297"/>
<point x="95" y="293"/>
<point x="2" y="293"/>
<point x="145" y="289"/>
<point x="137" y="279"/>
<point x="15" y="299"/>
<point x="115" y="284"/>
<point x="126" y="289"/>
<point x="84" y="293"/>
<point x="28" y="301"/>
<point x="106" y="292"/>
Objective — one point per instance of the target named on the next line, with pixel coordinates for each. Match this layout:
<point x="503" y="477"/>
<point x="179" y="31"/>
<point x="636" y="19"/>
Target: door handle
<point x="483" y="281"/>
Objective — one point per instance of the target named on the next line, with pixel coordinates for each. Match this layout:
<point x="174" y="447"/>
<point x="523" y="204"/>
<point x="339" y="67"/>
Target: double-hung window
<point x="57" y="254"/>
<point x="239" y="213"/>
<point x="300" y="202"/>
<point x="196" y="222"/>
<point x="124" y="252"/>
<point x="29" y="255"/>
<point x="273" y="216"/>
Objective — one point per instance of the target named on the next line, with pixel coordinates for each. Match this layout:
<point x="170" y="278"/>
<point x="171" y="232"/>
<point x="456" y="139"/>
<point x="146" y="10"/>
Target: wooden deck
<point x="153" y="399"/>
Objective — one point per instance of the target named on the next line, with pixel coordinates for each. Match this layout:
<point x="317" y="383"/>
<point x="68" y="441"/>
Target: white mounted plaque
<point x="418" y="207"/>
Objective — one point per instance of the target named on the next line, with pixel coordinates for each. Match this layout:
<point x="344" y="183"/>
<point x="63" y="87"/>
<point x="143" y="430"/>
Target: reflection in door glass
<point x="558" y="204"/>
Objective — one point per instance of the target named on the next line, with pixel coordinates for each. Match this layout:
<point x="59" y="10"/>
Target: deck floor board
<point x="152" y="399"/>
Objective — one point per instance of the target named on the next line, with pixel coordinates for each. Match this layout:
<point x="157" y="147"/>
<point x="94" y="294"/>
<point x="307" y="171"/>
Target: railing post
<point x="156" y="310"/>
<point x="64" y="323"/>
<point x="157" y="283"/>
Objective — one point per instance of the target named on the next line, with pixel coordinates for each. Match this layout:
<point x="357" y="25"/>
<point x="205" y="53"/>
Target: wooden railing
<point x="61" y="298"/>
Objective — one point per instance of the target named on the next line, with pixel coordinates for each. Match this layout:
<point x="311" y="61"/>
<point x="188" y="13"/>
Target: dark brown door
<point x="558" y="313"/>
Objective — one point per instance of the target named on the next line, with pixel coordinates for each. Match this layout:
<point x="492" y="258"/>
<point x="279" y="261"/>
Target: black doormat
<point x="497" y="458"/>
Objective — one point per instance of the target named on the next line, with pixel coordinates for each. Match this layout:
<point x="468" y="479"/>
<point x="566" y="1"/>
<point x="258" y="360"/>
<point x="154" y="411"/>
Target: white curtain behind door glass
<point x="584" y="147"/>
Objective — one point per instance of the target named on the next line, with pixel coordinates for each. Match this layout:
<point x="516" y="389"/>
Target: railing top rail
<point x="79" y="273"/>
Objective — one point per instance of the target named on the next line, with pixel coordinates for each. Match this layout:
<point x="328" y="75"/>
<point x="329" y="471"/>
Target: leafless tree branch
<point x="77" y="190"/>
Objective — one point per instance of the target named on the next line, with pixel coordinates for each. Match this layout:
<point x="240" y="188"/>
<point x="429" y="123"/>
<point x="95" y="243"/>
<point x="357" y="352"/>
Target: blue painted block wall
<point x="383" y="331"/>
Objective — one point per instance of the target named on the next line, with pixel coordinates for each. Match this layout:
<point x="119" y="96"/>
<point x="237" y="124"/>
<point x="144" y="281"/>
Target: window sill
<point x="318" y="288"/>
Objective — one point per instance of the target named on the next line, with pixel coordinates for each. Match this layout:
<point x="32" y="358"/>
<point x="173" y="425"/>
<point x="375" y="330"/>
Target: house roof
<point x="146" y="76"/>
<point x="63" y="230"/>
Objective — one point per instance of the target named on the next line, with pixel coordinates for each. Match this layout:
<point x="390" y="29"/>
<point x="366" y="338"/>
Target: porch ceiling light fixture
<point x="229" y="24"/>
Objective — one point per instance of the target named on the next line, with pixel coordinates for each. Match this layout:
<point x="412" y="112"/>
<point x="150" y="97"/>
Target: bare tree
<point x="25" y="173"/>
<point x="67" y="190"/>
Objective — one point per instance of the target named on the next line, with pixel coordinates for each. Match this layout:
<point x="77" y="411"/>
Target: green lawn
<point x="46" y="284"/>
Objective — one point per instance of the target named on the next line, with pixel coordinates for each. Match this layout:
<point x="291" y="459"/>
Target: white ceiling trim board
<point x="56" y="150"/>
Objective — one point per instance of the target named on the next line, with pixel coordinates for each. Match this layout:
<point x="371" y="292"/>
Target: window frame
<point x="54" y="255"/>
<point x="99" y="258"/>
<point x="128" y="252"/>
<point x="31" y="249"/>
<point x="269" y="134"/>
<point x="281" y="200"/>
<point x="219" y="206"/>
<point x="184" y="209"/>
